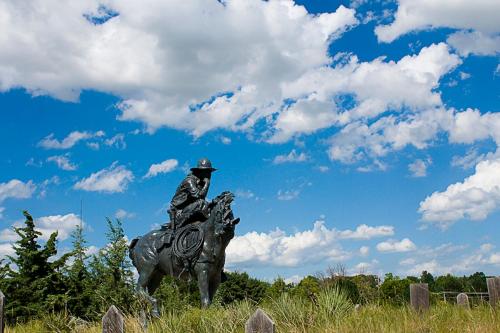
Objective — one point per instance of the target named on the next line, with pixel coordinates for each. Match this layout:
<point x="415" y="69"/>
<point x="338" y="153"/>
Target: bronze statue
<point x="194" y="243"/>
<point x="189" y="198"/>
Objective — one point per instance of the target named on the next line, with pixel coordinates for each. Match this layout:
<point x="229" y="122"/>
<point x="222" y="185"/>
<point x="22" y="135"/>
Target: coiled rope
<point x="188" y="244"/>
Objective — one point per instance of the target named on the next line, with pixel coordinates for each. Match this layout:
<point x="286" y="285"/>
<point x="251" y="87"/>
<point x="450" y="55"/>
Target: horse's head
<point x="224" y="219"/>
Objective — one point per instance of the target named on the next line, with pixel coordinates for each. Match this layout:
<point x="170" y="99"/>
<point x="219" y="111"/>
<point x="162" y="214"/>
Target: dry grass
<point x="332" y="312"/>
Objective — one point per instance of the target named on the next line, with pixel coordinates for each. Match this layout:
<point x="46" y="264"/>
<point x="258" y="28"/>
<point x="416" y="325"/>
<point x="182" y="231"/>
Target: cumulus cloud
<point x="230" y="58"/>
<point x="123" y="214"/>
<point x="113" y="179"/>
<point x="63" y="162"/>
<point x="418" y="168"/>
<point x="319" y="93"/>
<point x="364" y="231"/>
<point x="6" y="249"/>
<point x="475" y="42"/>
<point x="16" y="189"/>
<point x="278" y="248"/>
<point x="393" y="245"/>
<point x="441" y="262"/>
<point x="163" y="167"/>
<point x="49" y="142"/>
<point x="474" y="198"/>
<point x="364" y="251"/>
<point x="292" y="156"/>
<point x="63" y="224"/>
<point x="413" y="15"/>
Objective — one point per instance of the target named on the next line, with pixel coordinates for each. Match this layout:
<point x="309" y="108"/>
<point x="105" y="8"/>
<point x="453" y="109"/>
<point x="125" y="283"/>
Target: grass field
<point x="331" y="312"/>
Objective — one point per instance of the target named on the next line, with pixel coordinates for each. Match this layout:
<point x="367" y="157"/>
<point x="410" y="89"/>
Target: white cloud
<point x="63" y="162"/>
<point x="393" y="245"/>
<point x="475" y="42"/>
<point x="364" y="231"/>
<point x="286" y="195"/>
<point x="117" y="141"/>
<point x="469" y="160"/>
<point x="6" y="249"/>
<point x="364" y="251"/>
<point x="292" y="156"/>
<point x="414" y="15"/>
<point x="358" y="140"/>
<point x="245" y="194"/>
<point x="323" y="168"/>
<point x="225" y="140"/>
<point x="277" y="248"/>
<point x="418" y="168"/>
<point x="63" y="224"/>
<point x="366" y="267"/>
<point x="486" y="247"/>
<point x="49" y="142"/>
<point x="470" y="126"/>
<point x="474" y="198"/>
<point x="123" y="214"/>
<point x="464" y="75"/>
<point x="163" y="167"/>
<point x="2" y="209"/>
<point x="412" y="84"/>
<point x="109" y="180"/>
<point x="16" y="189"/>
<point x="295" y="279"/>
<point x="231" y="59"/>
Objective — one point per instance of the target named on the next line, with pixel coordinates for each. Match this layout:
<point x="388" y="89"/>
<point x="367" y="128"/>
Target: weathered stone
<point x="493" y="290"/>
<point x="357" y="307"/>
<point x="259" y="322"/>
<point x="113" y="321"/>
<point x="419" y="296"/>
<point x="463" y="300"/>
<point x="2" y="306"/>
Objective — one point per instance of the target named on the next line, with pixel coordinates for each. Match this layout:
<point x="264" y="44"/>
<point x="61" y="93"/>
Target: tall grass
<point x="330" y="311"/>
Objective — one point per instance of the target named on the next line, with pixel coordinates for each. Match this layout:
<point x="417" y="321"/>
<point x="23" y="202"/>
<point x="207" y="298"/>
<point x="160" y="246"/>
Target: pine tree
<point x="34" y="284"/>
<point x="80" y="285"/>
<point x="112" y="273"/>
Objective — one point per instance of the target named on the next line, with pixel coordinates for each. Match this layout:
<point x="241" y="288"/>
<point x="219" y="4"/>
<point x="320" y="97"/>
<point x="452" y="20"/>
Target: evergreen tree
<point x="35" y="284"/>
<point x="111" y="272"/>
<point x="79" y="283"/>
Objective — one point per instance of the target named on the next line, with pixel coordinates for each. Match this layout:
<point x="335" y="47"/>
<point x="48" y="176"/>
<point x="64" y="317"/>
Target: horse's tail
<point x="131" y="251"/>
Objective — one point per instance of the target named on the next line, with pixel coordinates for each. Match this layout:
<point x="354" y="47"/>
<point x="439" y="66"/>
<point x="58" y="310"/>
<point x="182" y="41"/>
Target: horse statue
<point x="197" y="250"/>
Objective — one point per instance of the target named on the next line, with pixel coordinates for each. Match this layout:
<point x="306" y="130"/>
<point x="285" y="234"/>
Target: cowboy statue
<point x="188" y="203"/>
<point x="193" y="244"/>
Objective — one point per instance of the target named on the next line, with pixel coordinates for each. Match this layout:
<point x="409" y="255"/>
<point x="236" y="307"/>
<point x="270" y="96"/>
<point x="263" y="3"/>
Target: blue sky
<point x="355" y="132"/>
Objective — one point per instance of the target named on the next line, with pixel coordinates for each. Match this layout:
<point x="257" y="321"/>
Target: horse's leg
<point x="142" y="284"/>
<point x="212" y="288"/>
<point x="203" y="285"/>
<point x="153" y="284"/>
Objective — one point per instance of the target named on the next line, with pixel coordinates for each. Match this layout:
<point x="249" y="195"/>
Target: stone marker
<point x="463" y="300"/>
<point x="113" y="322"/>
<point x="493" y="290"/>
<point x="419" y="296"/>
<point x="2" y="305"/>
<point x="259" y="322"/>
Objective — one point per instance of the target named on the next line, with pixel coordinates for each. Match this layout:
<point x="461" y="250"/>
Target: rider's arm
<point x="195" y="191"/>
